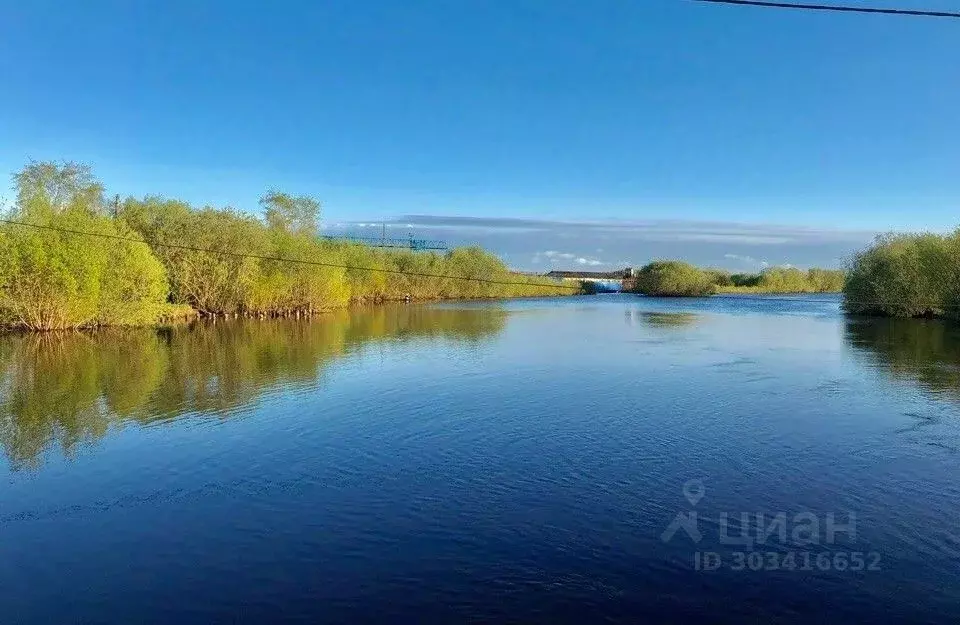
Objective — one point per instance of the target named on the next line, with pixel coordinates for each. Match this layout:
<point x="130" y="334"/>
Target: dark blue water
<point x="508" y="462"/>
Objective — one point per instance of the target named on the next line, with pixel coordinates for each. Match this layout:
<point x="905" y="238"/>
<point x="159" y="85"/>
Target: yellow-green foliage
<point x="333" y="273"/>
<point x="780" y="280"/>
<point x="906" y="275"/>
<point x="280" y="286"/>
<point x="826" y="280"/>
<point x="217" y="282"/>
<point x="792" y="280"/>
<point x="679" y="278"/>
<point x="672" y="278"/>
<point x="215" y="261"/>
<point x="52" y="280"/>
<point x="134" y="287"/>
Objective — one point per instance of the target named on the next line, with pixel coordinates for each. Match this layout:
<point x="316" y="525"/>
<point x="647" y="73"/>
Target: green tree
<point x="161" y="256"/>
<point x="720" y="277"/>
<point x="906" y="275"/>
<point x="674" y="278"/>
<point x="52" y="279"/>
<point x="56" y="187"/>
<point x="283" y="211"/>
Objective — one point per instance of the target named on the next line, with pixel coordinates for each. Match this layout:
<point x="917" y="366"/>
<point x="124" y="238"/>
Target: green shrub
<point x="826" y="280"/>
<point x="745" y="279"/>
<point x="784" y="280"/>
<point x="54" y="280"/>
<point x="674" y="279"/>
<point x="720" y="277"/>
<point x="134" y="286"/>
<point x="907" y="275"/>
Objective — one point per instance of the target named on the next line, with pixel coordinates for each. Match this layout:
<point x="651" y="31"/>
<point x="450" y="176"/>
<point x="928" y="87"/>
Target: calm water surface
<point x="486" y="462"/>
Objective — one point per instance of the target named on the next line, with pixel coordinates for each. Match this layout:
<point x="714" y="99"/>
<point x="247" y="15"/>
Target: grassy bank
<point x="155" y="259"/>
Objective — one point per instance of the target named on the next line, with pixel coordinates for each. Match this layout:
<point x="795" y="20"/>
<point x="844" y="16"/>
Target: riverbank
<point x="70" y="259"/>
<point x="175" y="315"/>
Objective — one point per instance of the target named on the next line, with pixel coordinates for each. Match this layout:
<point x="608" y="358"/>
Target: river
<point x="591" y="459"/>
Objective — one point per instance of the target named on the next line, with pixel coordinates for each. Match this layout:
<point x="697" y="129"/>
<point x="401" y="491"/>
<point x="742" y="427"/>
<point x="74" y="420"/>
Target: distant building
<point x="592" y="275"/>
<point x="605" y="280"/>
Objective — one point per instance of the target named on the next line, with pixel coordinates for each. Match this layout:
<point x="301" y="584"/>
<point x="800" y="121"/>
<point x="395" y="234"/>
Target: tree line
<point x="673" y="278"/>
<point x="239" y="265"/>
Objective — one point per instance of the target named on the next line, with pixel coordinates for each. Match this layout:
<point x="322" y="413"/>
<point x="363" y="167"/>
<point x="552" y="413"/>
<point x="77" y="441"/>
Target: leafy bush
<point x="772" y="280"/>
<point x="908" y="275"/>
<point x="786" y="280"/>
<point x="745" y="279"/>
<point x="54" y="280"/>
<point x="720" y="277"/>
<point x="674" y="279"/>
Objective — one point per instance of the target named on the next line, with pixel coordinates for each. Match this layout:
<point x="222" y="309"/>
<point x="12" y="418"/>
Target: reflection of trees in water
<point x="666" y="319"/>
<point x="69" y="388"/>
<point x="926" y="352"/>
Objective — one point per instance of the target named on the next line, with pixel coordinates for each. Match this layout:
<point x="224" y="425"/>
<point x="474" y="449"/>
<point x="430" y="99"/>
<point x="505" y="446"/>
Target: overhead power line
<point x="836" y="8"/>
<point x="318" y="263"/>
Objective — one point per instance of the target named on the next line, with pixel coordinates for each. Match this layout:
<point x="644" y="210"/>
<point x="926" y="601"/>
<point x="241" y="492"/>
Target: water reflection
<point x="667" y="319"/>
<point x="926" y="352"/>
<point x="68" y="389"/>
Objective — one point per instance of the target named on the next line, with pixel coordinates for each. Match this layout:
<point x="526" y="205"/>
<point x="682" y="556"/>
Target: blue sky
<point x="567" y="114"/>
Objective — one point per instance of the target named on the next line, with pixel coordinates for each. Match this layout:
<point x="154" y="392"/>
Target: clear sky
<point x="552" y="111"/>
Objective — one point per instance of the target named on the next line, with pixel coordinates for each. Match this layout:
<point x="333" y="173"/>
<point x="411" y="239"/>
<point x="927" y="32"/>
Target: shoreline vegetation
<point x="150" y="261"/>
<point x="89" y="263"/>
<point x="906" y="275"/>
<point x="673" y="278"/>
<point x="913" y="275"/>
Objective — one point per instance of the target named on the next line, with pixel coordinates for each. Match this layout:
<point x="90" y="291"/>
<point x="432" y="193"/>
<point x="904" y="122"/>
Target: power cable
<point x="836" y="8"/>
<point x="419" y="274"/>
<point x="276" y="258"/>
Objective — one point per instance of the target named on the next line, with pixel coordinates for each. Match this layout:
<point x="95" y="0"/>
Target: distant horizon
<point x="605" y="244"/>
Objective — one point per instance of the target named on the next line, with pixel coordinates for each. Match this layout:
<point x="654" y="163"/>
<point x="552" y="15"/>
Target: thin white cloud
<point x="569" y="245"/>
<point x="714" y="237"/>
<point x="748" y="261"/>
<point x="647" y="230"/>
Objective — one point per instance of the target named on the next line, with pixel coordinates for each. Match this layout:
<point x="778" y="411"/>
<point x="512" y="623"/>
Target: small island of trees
<point x="671" y="278"/>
